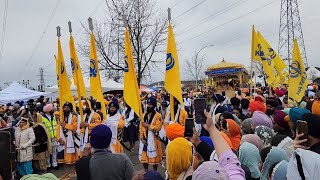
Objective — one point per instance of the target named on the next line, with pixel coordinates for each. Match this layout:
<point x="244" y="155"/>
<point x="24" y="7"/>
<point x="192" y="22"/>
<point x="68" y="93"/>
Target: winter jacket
<point x="24" y="139"/>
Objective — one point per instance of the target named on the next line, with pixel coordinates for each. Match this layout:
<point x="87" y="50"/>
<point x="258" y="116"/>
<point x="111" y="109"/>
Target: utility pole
<point x="41" y="80"/>
<point x="290" y="28"/>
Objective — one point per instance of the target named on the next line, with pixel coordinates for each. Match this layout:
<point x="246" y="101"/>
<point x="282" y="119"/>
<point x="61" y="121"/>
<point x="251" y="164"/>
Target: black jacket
<point x="82" y="168"/>
<point x="41" y="138"/>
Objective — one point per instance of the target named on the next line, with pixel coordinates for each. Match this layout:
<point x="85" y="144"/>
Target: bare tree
<point x="147" y="27"/>
<point x="195" y="68"/>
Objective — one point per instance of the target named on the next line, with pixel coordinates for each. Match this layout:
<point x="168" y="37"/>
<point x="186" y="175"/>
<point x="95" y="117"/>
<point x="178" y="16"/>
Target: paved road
<point x="132" y="155"/>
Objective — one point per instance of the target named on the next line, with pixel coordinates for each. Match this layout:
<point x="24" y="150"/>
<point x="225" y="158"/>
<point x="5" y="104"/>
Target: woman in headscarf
<point x="42" y="143"/>
<point x="265" y="134"/>
<point x="233" y="130"/>
<point x="253" y="139"/>
<point x="275" y="155"/>
<point x="246" y="126"/>
<point x="179" y="159"/>
<point x="228" y="167"/>
<point x="279" y="171"/>
<point x="24" y="137"/>
<point x="249" y="156"/>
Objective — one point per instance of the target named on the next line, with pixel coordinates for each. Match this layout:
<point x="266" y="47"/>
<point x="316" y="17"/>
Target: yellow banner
<point x="65" y="94"/>
<point x="260" y="53"/>
<point x="76" y="69"/>
<point x="271" y="54"/>
<point x="172" y="81"/>
<point x="298" y="81"/>
<point x="95" y="82"/>
<point x="77" y="76"/>
<point x="131" y="91"/>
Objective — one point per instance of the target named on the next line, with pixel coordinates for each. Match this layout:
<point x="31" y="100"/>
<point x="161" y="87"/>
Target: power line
<point x="263" y="6"/>
<point x="176" y="3"/>
<point x="78" y="29"/>
<point x="212" y="16"/>
<point x="189" y="9"/>
<point x="4" y="24"/>
<point x="43" y="33"/>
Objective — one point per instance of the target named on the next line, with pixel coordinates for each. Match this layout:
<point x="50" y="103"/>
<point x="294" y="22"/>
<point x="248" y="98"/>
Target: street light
<point x="196" y="60"/>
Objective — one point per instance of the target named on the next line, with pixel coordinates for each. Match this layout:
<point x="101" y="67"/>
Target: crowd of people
<point x="246" y="136"/>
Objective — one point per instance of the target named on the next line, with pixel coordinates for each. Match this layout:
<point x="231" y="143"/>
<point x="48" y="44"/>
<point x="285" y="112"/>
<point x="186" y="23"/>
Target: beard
<point x="113" y="113"/>
<point x="150" y="109"/>
<point x="88" y="111"/>
<point x="269" y="112"/>
<point x="66" y="112"/>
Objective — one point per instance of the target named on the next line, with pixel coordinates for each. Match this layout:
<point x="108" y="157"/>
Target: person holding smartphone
<point x="312" y="143"/>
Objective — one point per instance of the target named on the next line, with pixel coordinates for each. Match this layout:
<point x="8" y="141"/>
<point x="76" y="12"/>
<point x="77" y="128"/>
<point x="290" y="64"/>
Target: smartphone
<point x="302" y="127"/>
<point x="199" y="106"/>
<point x="188" y="128"/>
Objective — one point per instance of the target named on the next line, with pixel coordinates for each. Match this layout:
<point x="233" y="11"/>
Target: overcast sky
<point x="30" y="38"/>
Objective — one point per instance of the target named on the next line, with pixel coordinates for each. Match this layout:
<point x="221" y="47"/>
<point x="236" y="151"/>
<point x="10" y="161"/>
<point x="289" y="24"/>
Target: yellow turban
<point x="179" y="157"/>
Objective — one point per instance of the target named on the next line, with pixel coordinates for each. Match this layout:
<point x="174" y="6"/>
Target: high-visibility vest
<point x="51" y="126"/>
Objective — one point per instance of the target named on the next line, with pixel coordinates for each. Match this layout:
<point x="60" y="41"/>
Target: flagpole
<point x="59" y="74"/>
<point x="78" y="85"/>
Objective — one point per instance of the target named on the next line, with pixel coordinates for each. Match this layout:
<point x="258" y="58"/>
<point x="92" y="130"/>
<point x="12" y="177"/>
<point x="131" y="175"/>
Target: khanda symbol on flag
<point x="93" y="68"/>
<point x="295" y="69"/>
<point x="169" y="62"/>
<point x="126" y="66"/>
<point x="298" y="81"/>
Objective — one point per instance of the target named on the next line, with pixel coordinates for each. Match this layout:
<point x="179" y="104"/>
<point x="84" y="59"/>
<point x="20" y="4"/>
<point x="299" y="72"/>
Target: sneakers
<point x="56" y="168"/>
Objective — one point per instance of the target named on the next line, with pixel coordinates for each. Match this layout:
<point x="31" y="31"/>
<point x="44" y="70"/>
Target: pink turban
<point x="47" y="108"/>
<point x="261" y="119"/>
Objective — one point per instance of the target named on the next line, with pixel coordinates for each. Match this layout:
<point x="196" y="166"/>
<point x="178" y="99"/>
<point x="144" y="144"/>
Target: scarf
<point x="275" y="155"/>
<point x="86" y="132"/>
<point x="287" y="145"/>
<point x="235" y="133"/>
<point x="304" y="163"/>
<point x="151" y="146"/>
<point x="38" y="122"/>
<point x="112" y="122"/>
<point x="179" y="157"/>
<point x="253" y="139"/>
<point x="176" y="117"/>
<point x="69" y="139"/>
<point x="265" y="134"/>
<point x="249" y="155"/>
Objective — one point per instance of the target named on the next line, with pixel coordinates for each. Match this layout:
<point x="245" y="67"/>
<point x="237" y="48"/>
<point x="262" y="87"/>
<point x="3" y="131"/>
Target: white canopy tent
<point x="107" y="85"/>
<point x="16" y="92"/>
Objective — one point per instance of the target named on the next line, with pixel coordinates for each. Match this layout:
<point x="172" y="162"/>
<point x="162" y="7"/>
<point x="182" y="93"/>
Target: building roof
<point x="224" y="64"/>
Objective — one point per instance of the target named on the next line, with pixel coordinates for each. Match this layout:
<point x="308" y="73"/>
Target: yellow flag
<point x="76" y="69"/>
<point x="65" y="94"/>
<point x="131" y="91"/>
<point x="298" y="81"/>
<point x="255" y="55"/>
<point x="279" y="64"/>
<point x="260" y="53"/>
<point x="77" y="76"/>
<point x="95" y="82"/>
<point x="172" y="81"/>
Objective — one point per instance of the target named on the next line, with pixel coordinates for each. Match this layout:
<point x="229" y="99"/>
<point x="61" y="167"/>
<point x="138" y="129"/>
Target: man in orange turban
<point x="256" y="106"/>
<point x="174" y="131"/>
